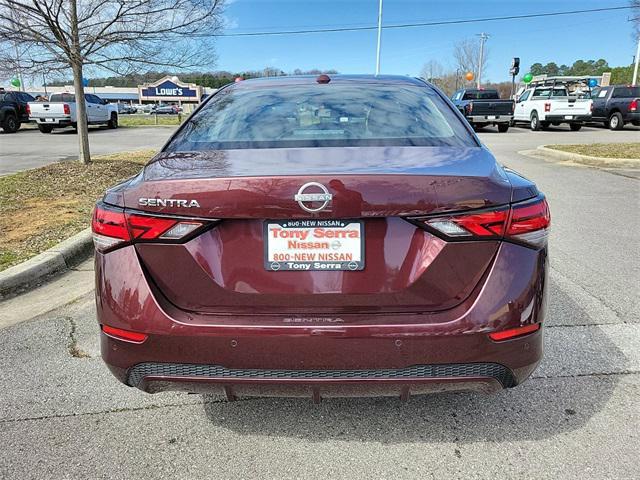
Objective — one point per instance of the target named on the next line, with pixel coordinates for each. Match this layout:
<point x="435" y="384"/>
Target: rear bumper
<point x="632" y="117"/>
<point x="563" y="119"/>
<point x="57" y="122"/>
<point x="489" y="118"/>
<point x="374" y="354"/>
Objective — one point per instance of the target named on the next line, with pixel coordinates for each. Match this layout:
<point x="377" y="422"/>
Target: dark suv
<point x="13" y="110"/>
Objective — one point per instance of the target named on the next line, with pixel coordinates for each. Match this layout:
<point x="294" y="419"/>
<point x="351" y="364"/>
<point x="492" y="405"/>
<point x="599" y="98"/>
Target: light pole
<point x="635" y="69"/>
<point x="379" y="38"/>
<point x="483" y="38"/>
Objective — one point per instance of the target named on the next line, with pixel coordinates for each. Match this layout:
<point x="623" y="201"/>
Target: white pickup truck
<point x="544" y="105"/>
<point x="60" y="112"/>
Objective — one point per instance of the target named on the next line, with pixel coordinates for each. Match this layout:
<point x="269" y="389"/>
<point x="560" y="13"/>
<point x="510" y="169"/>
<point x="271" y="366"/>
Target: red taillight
<point x="514" y="332"/>
<point x="470" y="106"/>
<point x="126" y="335"/>
<point x="633" y="106"/>
<point x="67" y="110"/>
<point x="527" y="222"/>
<point x="112" y="227"/>
<point x="547" y="107"/>
<point x="28" y="110"/>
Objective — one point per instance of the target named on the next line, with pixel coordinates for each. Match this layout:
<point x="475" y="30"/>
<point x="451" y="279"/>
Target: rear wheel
<point x="535" y="122"/>
<point x="10" y="124"/>
<point x="615" y="121"/>
<point x="503" y="127"/>
<point x="575" y="126"/>
<point x="113" y="121"/>
<point x="45" y="128"/>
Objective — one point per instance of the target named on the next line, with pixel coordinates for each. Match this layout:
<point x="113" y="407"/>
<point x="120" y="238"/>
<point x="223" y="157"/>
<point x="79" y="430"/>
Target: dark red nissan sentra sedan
<point x="322" y="236"/>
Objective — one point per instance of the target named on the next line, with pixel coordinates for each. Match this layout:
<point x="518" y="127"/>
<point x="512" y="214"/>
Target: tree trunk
<point x="78" y="86"/>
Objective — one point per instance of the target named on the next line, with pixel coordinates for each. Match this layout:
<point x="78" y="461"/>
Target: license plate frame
<point x="333" y="258"/>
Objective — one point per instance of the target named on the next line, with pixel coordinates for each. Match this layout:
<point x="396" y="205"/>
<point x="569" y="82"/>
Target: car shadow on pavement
<point x="566" y="393"/>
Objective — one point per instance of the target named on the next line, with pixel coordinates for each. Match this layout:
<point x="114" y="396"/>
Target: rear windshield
<point x="547" y="92"/>
<point x="322" y="116"/>
<point x="626" y="92"/>
<point x="62" y="97"/>
<point x="481" y="95"/>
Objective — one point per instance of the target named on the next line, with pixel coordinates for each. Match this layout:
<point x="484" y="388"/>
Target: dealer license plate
<point x="313" y="245"/>
<point x="568" y="117"/>
<point x="491" y="117"/>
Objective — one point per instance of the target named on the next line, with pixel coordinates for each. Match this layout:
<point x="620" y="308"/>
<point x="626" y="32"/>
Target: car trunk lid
<point x="406" y="268"/>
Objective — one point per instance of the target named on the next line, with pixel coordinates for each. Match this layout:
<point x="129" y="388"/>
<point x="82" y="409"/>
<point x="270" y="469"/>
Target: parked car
<point x="344" y="235"/>
<point x="616" y="105"/>
<point x="124" y="108"/>
<point x="544" y="105"/>
<point x="165" y="110"/>
<point x="13" y="109"/>
<point x="482" y="107"/>
<point x="60" y="112"/>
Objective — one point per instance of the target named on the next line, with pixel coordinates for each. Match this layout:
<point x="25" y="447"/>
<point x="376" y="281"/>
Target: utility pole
<point x="483" y="38"/>
<point x="635" y="69"/>
<point x="379" y="38"/>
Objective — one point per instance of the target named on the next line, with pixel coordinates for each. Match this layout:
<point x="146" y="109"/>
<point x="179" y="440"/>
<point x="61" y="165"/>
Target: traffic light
<point x="515" y="66"/>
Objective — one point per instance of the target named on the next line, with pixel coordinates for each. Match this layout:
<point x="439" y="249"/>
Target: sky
<point x="562" y="39"/>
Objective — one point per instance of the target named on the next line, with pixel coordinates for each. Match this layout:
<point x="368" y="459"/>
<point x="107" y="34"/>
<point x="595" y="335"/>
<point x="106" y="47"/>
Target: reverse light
<point x="113" y="227"/>
<point x="514" y="332"/>
<point x="526" y="223"/>
<point x="126" y="335"/>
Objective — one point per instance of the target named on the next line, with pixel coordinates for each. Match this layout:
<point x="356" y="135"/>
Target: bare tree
<point x="121" y="36"/>
<point x="467" y="54"/>
<point x="432" y="71"/>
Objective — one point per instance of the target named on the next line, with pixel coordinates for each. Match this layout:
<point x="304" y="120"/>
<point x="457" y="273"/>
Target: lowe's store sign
<point x="168" y="89"/>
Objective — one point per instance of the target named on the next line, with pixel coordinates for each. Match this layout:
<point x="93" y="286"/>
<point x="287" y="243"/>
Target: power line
<point x="421" y="24"/>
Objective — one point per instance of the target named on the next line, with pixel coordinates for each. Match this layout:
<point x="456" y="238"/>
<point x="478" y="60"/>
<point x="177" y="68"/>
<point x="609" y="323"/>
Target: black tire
<point x="544" y="125"/>
<point x="535" y="122"/>
<point x="503" y="127"/>
<point x="113" y="121"/>
<point x="616" y="122"/>
<point x="575" y="126"/>
<point x="10" y="124"/>
<point x="512" y="123"/>
<point x="45" y="128"/>
<point x="636" y="123"/>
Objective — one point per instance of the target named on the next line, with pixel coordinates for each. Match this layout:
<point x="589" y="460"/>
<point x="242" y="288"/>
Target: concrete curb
<point x="589" y="160"/>
<point x="34" y="271"/>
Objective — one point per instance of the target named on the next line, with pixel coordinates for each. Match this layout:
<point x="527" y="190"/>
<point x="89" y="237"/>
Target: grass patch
<point x="46" y="205"/>
<point x="149" y="120"/>
<point x="606" y="150"/>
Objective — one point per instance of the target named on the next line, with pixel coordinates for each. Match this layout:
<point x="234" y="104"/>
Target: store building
<point x="168" y="90"/>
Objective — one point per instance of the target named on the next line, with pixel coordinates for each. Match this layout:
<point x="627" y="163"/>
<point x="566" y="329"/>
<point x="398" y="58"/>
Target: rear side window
<point x="322" y="115"/>
<point x="626" y="92"/>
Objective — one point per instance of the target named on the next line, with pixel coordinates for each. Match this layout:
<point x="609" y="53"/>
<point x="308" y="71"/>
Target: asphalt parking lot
<point x="28" y="148"/>
<point x="62" y="415"/>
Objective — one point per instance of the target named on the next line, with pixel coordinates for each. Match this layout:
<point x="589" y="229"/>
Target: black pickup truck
<point x="13" y="109"/>
<point x="483" y="107"/>
<point x="616" y="105"/>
